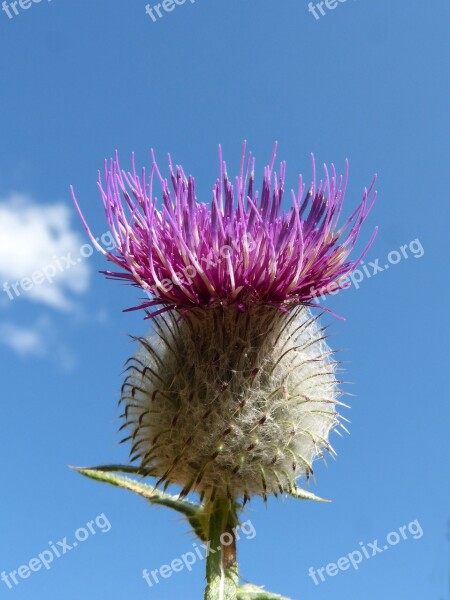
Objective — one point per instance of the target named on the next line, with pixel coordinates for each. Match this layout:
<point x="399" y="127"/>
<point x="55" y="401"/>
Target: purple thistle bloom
<point x="234" y="392"/>
<point x="242" y="249"/>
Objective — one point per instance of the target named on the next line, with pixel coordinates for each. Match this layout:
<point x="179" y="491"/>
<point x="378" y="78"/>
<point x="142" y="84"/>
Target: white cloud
<point x="38" y="339"/>
<point x="22" y="340"/>
<point x="39" y="238"/>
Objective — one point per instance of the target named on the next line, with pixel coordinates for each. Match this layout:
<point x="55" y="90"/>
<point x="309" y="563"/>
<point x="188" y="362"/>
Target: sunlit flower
<point x="234" y="393"/>
<point x="242" y="248"/>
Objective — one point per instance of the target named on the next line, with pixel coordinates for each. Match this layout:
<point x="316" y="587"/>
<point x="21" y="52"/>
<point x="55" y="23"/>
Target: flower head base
<point x="241" y="250"/>
<point x="231" y="403"/>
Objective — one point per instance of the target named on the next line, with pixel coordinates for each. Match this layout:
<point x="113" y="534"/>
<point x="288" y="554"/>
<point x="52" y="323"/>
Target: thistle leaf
<point x="105" y="474"/>
<point x="118" y="469"/>
<point x="253" y="592"/>
<point x="305" y="495"/>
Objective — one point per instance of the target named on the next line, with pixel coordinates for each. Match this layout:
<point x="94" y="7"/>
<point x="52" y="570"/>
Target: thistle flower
<point x="234" y="393"/>
<point x="242" y="249"/>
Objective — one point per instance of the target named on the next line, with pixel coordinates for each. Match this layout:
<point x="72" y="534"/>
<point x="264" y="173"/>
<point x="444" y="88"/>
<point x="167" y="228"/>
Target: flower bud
<point x="225" y="401"/>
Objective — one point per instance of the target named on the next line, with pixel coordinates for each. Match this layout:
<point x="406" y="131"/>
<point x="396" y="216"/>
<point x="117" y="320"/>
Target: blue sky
<point x="368" y="81"/>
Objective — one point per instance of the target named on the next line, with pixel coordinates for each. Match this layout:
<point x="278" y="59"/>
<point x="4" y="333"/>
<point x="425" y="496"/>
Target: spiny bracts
<point x="231" y="402"/>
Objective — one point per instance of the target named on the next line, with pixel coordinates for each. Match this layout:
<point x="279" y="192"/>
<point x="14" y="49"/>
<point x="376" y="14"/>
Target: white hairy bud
<point x="227" y="402"/>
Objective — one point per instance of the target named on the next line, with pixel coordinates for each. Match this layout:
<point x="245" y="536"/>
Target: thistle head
<point x="235" y="391"/>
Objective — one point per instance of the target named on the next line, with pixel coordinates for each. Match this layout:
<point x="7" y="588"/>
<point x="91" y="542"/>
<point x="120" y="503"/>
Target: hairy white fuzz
<point x="229" y="402"/>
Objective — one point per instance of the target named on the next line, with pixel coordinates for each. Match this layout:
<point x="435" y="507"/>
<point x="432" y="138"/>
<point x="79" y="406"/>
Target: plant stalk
<point x="221" y="564"/>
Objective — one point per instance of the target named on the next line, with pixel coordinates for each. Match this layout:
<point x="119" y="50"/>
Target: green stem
<point x="221" y="563"/>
